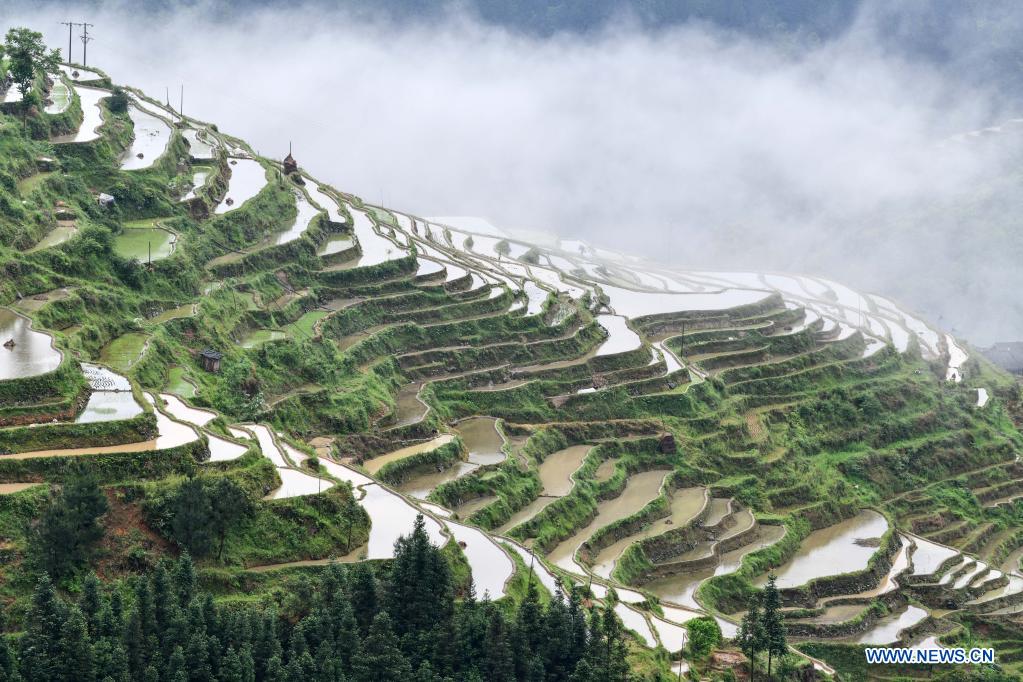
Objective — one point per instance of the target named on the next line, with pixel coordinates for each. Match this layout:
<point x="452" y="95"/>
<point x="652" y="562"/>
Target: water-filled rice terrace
<point x="661" y="438"/>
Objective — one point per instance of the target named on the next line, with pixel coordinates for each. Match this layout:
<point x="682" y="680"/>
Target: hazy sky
<point x="689" y="145"/>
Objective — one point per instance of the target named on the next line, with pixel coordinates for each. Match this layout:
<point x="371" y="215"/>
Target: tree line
<point x="353" y="626"/>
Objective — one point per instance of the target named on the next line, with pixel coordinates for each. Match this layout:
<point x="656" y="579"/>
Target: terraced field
<point x="662" y="439"/>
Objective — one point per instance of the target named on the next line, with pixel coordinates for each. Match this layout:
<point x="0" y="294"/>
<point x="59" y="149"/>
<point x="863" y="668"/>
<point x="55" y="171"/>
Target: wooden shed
<point x="210" y="360"/>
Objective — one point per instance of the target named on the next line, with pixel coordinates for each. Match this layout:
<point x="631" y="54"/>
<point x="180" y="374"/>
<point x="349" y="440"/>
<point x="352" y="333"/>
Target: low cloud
<point x="692" y="146"/>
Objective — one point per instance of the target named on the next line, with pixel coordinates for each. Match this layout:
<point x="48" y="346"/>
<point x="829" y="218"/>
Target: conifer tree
<point x="365" y="599"/>
<point x="528" y="633"/>
<point x="419" y="596"/>
<point x="69" y="526"/>
<point x="499" y="665"/>
<point x="176" y="664"/>
<point x="39" y="648"/>
<point x="231" y="667"/>
<point x="184" y="579"/>
<point x="614" y="640"/>
<point x="74" y="657"/>
<point x="773" y="628"/>
<point x="751" y="632"/>
<point x="92" y="602"/>
<point x="380" y="659"/>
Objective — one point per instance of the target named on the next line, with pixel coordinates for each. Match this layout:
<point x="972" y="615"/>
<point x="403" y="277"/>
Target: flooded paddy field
<point x="639" y="490"/>
<point x="685" y="505"/>
<point x="24" y="351"/>
<point x="92" y="112"/>
<point x="482" y="440"/>
<point x="836" y="549"/>
<point x="59" y="96"/>
<point x="144" y="242"/>
<point x="374" y="247"/>
<point x="151" y="136"/>
<point x="248" y="177"/>
<point x="306" y="212"/>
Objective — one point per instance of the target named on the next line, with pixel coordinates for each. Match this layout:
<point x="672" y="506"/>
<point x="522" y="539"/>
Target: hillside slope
<point x="180" y="307"/>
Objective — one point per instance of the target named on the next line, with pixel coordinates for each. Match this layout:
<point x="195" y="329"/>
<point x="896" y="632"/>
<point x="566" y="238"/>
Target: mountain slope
<point x="673" y="435"/>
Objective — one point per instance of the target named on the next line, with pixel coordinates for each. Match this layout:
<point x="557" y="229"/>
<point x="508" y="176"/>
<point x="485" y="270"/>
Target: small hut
<point x="210" y="360"/>
<point x="290" y="164"/>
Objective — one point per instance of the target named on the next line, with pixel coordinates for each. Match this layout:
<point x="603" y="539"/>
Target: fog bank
<point x="691" y="145"/>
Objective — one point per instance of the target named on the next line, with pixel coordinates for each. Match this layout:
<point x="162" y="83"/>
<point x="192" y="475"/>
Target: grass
<point x="27" y="185"/>
<point x="178" y="383"/>
<point x="125" y="351"/>
<point x="261" y="336"/>
<point x="303" y="327"/>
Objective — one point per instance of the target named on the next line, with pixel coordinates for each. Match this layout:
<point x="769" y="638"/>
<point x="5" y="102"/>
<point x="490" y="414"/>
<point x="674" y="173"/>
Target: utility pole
<point x="85" y="42"/>
<point x="181" y="103"/>
<point x="682" y="655"/>
<point x="70" y="25"/>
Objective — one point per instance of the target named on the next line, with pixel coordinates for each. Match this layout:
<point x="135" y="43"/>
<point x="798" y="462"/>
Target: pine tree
<point x="470" y="643"/>
<point x="582" y="673"/>
<point x="92" y="602"/>
<point x="175" y="664"/>
<point x="380" y="659"/>
<point x="499" y="665"/>
<point x="191" y="509"/>
<point x="557" y="638"/>
<point x="111" y="660"/>
<point x="248" y="663"/>
<point x="528" y="632"/>
<point x="774" y="628"/>
<point x="197" y="654"/>
<point x="69" y="526"/>
<point x="614" y="641"/>
<point x="274" y="670"/>
<point x="578" y="641"/>
<point x="346" y="633"/>
<point x="419" y="597"/>
<point x="751" y="632"/>
<point x="231" y="667"/>
<point x="365" y="598"/>
<point x="328" y="665"/>
<point x="164" y="601"/>
<point x="184" y="579"/>
<point x="74" y="657"/>
<point x="425" y="673"/>
<point x="39" y="648"/>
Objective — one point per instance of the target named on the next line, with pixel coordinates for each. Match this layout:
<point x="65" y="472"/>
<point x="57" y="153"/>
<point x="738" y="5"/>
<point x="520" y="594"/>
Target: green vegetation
<point x="64" y="535"/>
<point x="351" y="623"/>
<point x="781" y="425"/>
<point x="26" y="56"/>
